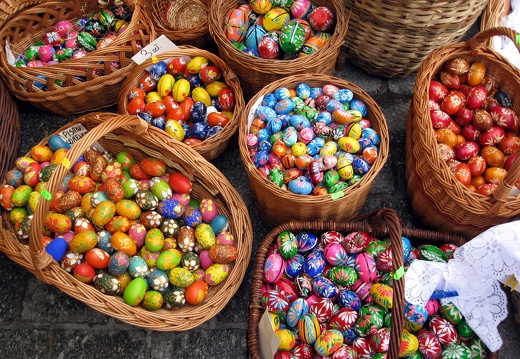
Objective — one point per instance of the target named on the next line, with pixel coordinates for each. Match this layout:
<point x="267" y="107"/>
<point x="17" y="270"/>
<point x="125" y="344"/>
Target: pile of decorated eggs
<point x="186" y="97"/>
<point x="126" y="226"/>
<point x="330" y="295"/>
<point x="75" y="39"/>
<point x="474" y="123"/>
<point x="312" y="140"/>
<point x="279" y="29"/>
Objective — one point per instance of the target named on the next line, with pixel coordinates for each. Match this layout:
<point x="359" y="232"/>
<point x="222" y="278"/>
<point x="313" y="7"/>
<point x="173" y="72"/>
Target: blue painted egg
<point x="159" y="122"/>
<point x="265" y="113"/>
<point x="333" y="105"/>
<point x="137" y="268"/>
<point x="290" y="136"/>
<point x="372" y="135"/>
<point x="146" y="116"/>
<point x="285" y="118"/>
<point x="198" y="130"/>
<point x="57" y="248"/>
<point x="314" y="263"/>
<point x="192" y="216"/>
<point x="260" y="158"/>
<point x="307" y="242"/>
<point x="198" y="112"/>
<point x="251" y="52"/>
<point x="118" y="263"/>
<point x="349" y="299"/>
<point x="360" y="166"/>
<point x="407" y="247"/>
<point x="170" y="208"/>
<point x="158" y="69"/>
<point x="359" y="106"/>
<point x="284" y="106"/>
<point x="282" y="93"/>
<point x="195" y="81"/>
<point x="324" y="117"/>
<point x="103" y="241"/>
<point x="274" y="125"/>
<point x="316" y="92"/>
<point x="303" y="91"/>
<point x="314" y="147"/>
<point x="364" y="142"/>
<point x="301" y="185"/>
<point x="98" y="197"/>
<point x="157" y="279"/>
<point x="294" y="265"/>
<point x="343" y="95"/>
<point x="65" y="182"/>
<point x="219" y="223"/>
<point x="14" y="178"/>
<point x="216" y="103"/>
<point x="269" y="100"/>
<point x="324" y="287"/>
<point x="299" y="122"/>
<point x="414" y="313"/>
<point x="213" y="131"/>
<point x="297" y="309"/>
<point x="254" y="35"/>
<point x="263" y="135"/>
<point x="349" y="336"/>
<point x="56" y="142"/>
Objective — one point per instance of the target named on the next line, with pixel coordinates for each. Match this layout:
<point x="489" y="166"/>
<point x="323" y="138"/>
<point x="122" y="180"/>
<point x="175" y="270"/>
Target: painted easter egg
<point x="294" y="265"/>
<point x="382" y="295"/>
<point x="216" y="273"/>
<point x="328" y="342"/>
<point x="107" y="284"/>
<point x="309" y="328"/>
<point x="292" y="37"/>
<point x="297" y="309"/>
<point x="414" y="313"/>
<point x="301" y="8"/>
<point x="274" y="267"/>
<point x="366" y="267"/>
<point x="445" y="332"/>
<point x="57" y="222"/>
<point x="342" y="275"/>
<point x="276" y="18"/>
<point x="321" y="18"/>
<point x="269" y="46"/>
<point x="429" y="345"/>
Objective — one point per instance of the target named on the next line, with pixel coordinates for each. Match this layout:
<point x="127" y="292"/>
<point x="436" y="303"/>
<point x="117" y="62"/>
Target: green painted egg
<point x="46" y="172"/>
<point x="180" y="277"/>
<point x="464" y="330"/>
<point x="130" y="187"/>
<point x="57" y="222"/>
<point x="451" y="313"/>
<point x="366" y="323"/>
<point x="432" y="253"/>
<point x="343" y="275"/>
<point x="75" y="213"/>
<point x="83" y="241"/>
<point x="107" y="284"/>
<point x="174" y="299"/>
<point x="375" y="248"/>
<point x="23" y="228"/>
<point x="292" y="37"/>
<point x="146" y="200"/>
<point x="128" y="209"/>
<point x="478" y="348"/>
<point x="455" y="351"/>
<point x="18" y="214"/>
<point x="21" y="195"/>
<point x="153" y="300"/>
<point x="168" y="259"/>
<point x="135" y="291"/>
<point x="205" y="236"/>
<point x="87" y="41"/>
<point x="154" y="240"/>
<point x="103" y="213"/>
<point x="160" y="188"/>
<point x="287" y="244"/>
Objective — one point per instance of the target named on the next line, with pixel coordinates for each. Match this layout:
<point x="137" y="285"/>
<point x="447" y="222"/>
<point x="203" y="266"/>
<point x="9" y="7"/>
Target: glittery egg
<point x="137" y="267"/>
<point x="118" y="263"/>
<point x="192" y="216"/>
<point x="205" y="235"/>
<point x="157" y="279"/>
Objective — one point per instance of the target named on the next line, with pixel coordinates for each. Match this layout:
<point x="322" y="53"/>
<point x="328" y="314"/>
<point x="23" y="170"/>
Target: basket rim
<point x="103" y="125"/>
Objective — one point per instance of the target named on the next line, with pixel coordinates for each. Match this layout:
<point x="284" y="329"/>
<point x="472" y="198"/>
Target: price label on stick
<point x="159" y="45"/>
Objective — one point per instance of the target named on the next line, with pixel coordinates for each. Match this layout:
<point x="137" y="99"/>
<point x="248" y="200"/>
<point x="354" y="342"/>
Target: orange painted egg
<point x="147" y="83"/>
<point x="192" y="141"/>
<point x="223" y="254"/>
<point x="493" y="156"/>
<point x="156" y="108"/>
<point x="103" y="213"/>
<point x="114" y="189"/>
<point x="82" y="184"/>
<point x="153" y="166"/>
<point x="135" y="106"/>
<point x="82" y="225"/>
<point x="5" y="197"/>
<point x="97" y="167"/>
<point x="463" y="173"/>
<point x="137" y="173"/>
<point x="97" y="258"/>
<point x="476" y="73"/>
<point x="57" y="222"/>
<point x="495" y="175"/>
<point x="83" y="242"/>
<point x="123" y="243"/>
<point x="217" y="119"/>
<point x="118" y="224"/>
<point x="136" y="92"/>
<point x="197" y="292"/>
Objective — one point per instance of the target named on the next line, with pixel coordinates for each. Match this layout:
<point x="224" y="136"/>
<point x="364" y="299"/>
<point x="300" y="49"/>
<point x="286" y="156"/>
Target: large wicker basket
<point x="128" y="133"/>
<point x="382" y="223"/>
<point x="392" y="38"/>
<point x="28" y="23"/>
<point x="185" y="22"/>
<point x="278" y="206"/>
<point x="438" y="199"/>
<point x="215" y="145"/>
<point x="255" y="72"/>
<point x="9" y="131"/>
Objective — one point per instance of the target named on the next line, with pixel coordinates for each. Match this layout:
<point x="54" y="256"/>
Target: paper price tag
<point x="10" y="57"/>
<point x="74" y="133"/>
<point x="159" y="45"/>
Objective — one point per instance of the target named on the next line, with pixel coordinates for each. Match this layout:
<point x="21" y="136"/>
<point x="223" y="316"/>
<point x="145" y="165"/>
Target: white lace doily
<point x="474" y="273"/>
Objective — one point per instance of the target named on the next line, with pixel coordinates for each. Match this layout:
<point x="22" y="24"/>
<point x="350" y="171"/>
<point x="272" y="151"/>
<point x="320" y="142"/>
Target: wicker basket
<point x="128" y="133"/>
<point x="9" y="131"/>
<point x="382" y="223"/>
<point x="30" y="22"/>
<point x="392" y="38"/>
<point x="215" y="145"/>
<point x="493" y="14"/>
<point x="255" y="72"/>
<point x="437" y="197"/>
<point x="278" y="206"/>
<point x="185" y="22"/>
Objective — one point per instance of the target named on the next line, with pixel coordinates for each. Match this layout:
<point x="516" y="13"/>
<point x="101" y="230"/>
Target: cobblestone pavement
<point x="39" y="321"/>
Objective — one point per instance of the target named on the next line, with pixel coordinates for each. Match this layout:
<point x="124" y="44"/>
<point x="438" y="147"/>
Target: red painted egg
<point x="177" y="66"/>
<point x="217" y="119"/>
<point x="180" y="183"/>
<point x="384" y="260"/>
<point x="380" y="340"/>
<point x="147" y="83"/>
<point x="192" y="141"/>
<point x="275" y="302"/>
<point x="477" y="165"/>
<point x="84" y="272"/>
<point x="463" y="174"/>
<point x="476" y="97"/>
<point x="457" y="66"/>
<point x="322" y="309"/>
<point x="97" y="258"/>
<point x="321" y="18"/>
<point x="136" y="92"/>
<point x="429" y="345"/>
<point x="153" y="166"/>
<point x="268" y="48"/>
<point x="156" y="108"/>
<point x="137" y="173"/>
<point x="343" y="319"/>
<point x="467" y="150"/>
<point x="452" y="103"/>
<point x="470" y="132"/>
<point x="236" y="24"/>
<point x="445" y="332"/>
<point x="440" y="119"/>
<point x="505" y="117"/>
<point x="209" y="74"/>
<point x="135" y="106"/>
<point x="356" y="242"/>
<point x="451" y="81"/>
<point x="486" y="189"/>
<point x="437" y="91"/>
<point x="509" y="145"/>
<point x="491" y="137"/>
<point x="226" y="99"/>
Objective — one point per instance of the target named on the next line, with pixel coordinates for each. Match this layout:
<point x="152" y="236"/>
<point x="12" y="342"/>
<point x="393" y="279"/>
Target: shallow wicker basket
<point x="128" y="133"/>
<point x="278" y="206"/>
<point x="392" y="38"/>
<point x="29" y="22"/>
<point x="9" y="131"/>
<point x="215" y="145"/>
<point x="382" y="223"/>
<point x="255" y="72"/>
<point x="438" y="199"/>
<point x="185" y="22"/>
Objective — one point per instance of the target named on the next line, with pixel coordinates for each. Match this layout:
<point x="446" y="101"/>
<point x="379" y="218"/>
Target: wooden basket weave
<point x="185" y="22"/>
<point x="382" y="223"/>
<point x="391" y="38"/>
<point x="29" y="22"/>
<point x="128" y="133"/>
<point x="278" y="206"/>
<point x="437" y="197"/>
<point x="215" y="145"/>
<point x="9" y="131"/>
<point x="255" y="72"/>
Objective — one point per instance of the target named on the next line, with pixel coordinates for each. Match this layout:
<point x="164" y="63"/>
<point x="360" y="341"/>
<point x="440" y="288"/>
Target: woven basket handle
<point x="479" y="40"/>
<point x="41" y="259"/>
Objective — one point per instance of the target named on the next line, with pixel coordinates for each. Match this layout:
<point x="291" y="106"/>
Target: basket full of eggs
<point x="312" y="146"/>
<point x="462" y="137"/>
<point x="265" y="40"/>
<point x="189" y="93"/>
<point x="135" y="225"/>
<point x="69" y="57"/>
<point x="337" y="290"/>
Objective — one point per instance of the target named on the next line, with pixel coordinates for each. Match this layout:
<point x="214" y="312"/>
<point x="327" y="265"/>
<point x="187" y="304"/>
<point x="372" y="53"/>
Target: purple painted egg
<point x="335" y="254"/>
<point x="274" y="267"/>
<point x="362" y="289"/>
<point x="314" y="263"/>
<point x="349" y="299"/>
<point x="322" y="309"/>
<point x="297" y="309"/>
<point x="324" y="287"/>
<point x="275" y="302"/>
<point x="307" y="242"/>
<point x="294" y="265"/>
<point x="366" y="267"/>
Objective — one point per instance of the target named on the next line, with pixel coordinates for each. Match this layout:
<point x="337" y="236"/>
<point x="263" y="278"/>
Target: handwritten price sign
<point x="159" y="45"/>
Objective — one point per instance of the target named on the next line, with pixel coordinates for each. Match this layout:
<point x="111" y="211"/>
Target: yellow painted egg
<point x="118" y="224"/>
<point x="124" y="279"/>
<point x="152" y="96"/>
<point x="328" y="342"/>
<point x="23" y="163"/>
<point x="174" y="129"/>
<point x="83" y="241"/>
<point x="201" y="95"/>
<point x="275" y="321"/>
<point x="261" y="6"/>
<point x="165" y="85"/>
<point x="58" y="156"/>
<point x="153" y="300"/>
<point x="349" y="144"/>
<point x="103" y="213"/>
<point x="41" y="153"/>
<point x="329" y="149"/>
<point x="409" y="344"/>
<point x="86" y="202"/>
<point x="34" y="197"/>
<point x="181" y="90"/>
<point x="128" y="209"/>
<point x="57" y="222"/>
<point x="214" y="88"/>
<point x="276" y="18"/>
<point x="205" y="235"/>
<point x="344" y="168"/>
<point x="216" y="273"/>
<point x="382" y="295"/>
<point x="196" y="64"/>
<point x="287" y="339"/>
<point x="180" y="277"/>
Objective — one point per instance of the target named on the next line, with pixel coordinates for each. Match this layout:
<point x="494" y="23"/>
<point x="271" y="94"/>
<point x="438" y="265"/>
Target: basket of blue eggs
<point x="312" y="146"/>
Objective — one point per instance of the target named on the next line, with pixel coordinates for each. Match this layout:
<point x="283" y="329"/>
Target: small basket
<point x="255" y="72"/>
<point x="128" y="133"/>
<point x="30" y="22"/>
<point x="9" y="131"/>
<point x="215" y="145"/>
<point x="185" y="22"/>
<point x="391" y="38"/>
<point x="278" y="206"/>
<point x="382" y="223"/>
<point x="438" y="199"/>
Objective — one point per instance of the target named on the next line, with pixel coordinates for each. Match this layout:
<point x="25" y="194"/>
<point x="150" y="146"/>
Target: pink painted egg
<point x="274" y="267"/>
<point x="209" y="210"/>
<point x="366" y="267"/>
<point x="335" y="254"/>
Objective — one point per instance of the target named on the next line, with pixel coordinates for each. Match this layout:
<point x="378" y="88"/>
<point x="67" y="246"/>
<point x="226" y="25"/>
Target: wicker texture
<point x="437" y="197"/>
<point x="255" y="72"/>
<point x="117" y="133"/>
<point x="493" y="14"/>
<point x="185" y="22"/>
<point x="215" y="145"/>
<point x="9" y="131"/>
<point x="30" y="23"/>
<point x="382" y="223"/>
<point x="278" y="206"/>
<point x="391" y="38"/>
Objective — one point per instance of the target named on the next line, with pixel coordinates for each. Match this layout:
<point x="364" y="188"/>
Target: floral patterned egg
<point x="118" y="224"/>
<point x="157" y="279"/>
<point x="128" y="209"/>
<point x="451" y="313"/>
<point x="153" y="167"/>
<point x="445" y="332"/>
<point x="236" y="25"/>
<point x="302" y="351"/>
<point x="107" y="284"/>
<point x="366" y="267"/>
<point x="20" y="196"/>
<point x="192" y="216"/>
<point x="342" y="275"/>
<point x="160" y="188"/>
<point x="5" y="197"/>
<point x="382" y="295"/>
<point x="384" y="260"/>
<point x="174" y="299"/>
<point x="274" y="267"/>
<point x="324" y="287"/>
<point x="118" y="263"/>
<point x="429" y="345"/>
<point x="223" y="254"/>
<point x="329" y="237"/>
<point x="369" y="323"/>
<point x="137" y="232"/>
<point x="70" y="260"/>
<point x="103" y="241"/>
<point x="294" y="265"/>
<point x="314" y="263"/>
<point x="297" y="309"/>
<point x="409" y="344"/>
<point x="137" y="267"/>
<point x="168" y="259"/>
<point x="150" y="219"/>
<point x="146" y="200"/>
<point x="130" y="187"/>
<point x="375" y="247"/>
<point x="416" y="314"/>
<point x="349" y="299"/>
<point x="309" y="328"/>
<point x="208" y="209"/>
<point x="180" y="277"/>
<point x="122" y="242"/>
<point x="303" y="285"/>
<point x="432" y="253"/>
<point x="103" y="213"/>
<point x="57" y="222"/>
<point x="114" y="189"/>
<point x="362" y="289"/>
<point x="287" y="244"/>
<point x="83" y="224"/>
<point x="322" y="309"/>
<point x="14" y="178"/>
<point x="328" y="342"/>
<point x="306" y="242"/>
<point x="224" y="237"/>
<point x="205" y="236"/>
<point x="186" y="239"/>
<point x="335" y="254"/>
<point x="216" y="273"/>
<point x="171" y="208"/>
<point x="190" y="261"/>
<point x="342" y="319"/>
<point x="356" y="242"/>
<point x="380" y="340"/>
<point x="82" y="184"/>
<point x="456" y="351"/>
